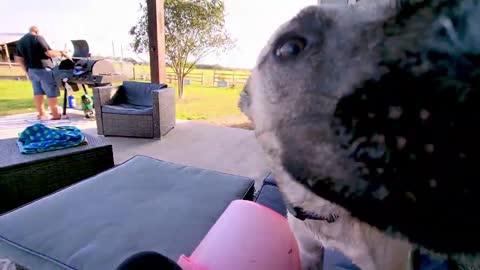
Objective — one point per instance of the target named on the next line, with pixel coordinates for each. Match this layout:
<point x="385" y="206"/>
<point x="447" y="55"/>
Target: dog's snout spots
<point x="424" y="114"/>
<point x="395" y="112"/>
<point x="381" y="193"/>
<point x="429" y="148"/>
<point x="401" y="143"/>
<point x="365" y="172"/>
<point x="378" y="138"/>
<point x="432" y="183"/>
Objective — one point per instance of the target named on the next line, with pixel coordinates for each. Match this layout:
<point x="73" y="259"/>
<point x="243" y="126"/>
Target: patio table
<point x="25" y="178"/>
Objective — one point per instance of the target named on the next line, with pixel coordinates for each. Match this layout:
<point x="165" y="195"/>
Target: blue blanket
<point x="39" y="138"/>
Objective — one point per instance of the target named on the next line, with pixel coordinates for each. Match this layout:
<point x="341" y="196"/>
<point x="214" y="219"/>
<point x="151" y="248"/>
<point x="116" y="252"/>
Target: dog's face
<point x="374" y="109"/>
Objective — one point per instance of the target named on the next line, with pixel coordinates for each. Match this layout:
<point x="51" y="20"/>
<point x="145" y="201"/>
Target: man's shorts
<point x="43" y="82"/>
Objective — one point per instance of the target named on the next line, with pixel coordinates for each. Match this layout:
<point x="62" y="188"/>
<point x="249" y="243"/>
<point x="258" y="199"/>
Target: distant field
<point x="212" y="104"/>
<point x="143" y="71"/>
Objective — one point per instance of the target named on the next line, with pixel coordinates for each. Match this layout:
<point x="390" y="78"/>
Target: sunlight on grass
<point x="17" y="97"/>
<point x="202" y="103"/>
<point x="199" y="102"/>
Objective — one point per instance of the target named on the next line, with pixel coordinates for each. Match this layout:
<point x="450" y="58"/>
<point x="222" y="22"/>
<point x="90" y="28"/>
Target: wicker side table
<point x="25" y="178"/>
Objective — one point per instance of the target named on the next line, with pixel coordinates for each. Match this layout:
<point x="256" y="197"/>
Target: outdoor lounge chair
<point x="135" y="109"/>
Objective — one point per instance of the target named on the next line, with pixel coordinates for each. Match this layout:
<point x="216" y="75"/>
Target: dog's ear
<point x="245" y="101"/>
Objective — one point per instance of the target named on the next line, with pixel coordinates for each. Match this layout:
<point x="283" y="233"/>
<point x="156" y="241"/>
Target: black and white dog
<point x="367" y="116"/>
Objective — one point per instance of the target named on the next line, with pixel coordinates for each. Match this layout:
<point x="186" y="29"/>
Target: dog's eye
<point x="290" y="48"/>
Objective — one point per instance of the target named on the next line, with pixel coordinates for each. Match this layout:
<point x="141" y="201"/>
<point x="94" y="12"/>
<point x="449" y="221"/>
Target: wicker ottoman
<point x="25" y="178"/>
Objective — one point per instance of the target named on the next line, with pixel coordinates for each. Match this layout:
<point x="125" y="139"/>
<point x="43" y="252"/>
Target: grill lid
<point x="80" y="48"/>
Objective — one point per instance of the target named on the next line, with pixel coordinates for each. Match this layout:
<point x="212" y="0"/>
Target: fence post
<point x="133" y="68"/>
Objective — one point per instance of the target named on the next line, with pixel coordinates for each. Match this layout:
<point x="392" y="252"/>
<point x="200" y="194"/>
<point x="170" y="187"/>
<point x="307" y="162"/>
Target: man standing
<point x="35" y="56"/>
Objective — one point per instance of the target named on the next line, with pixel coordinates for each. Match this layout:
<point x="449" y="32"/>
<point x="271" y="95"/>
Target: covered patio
<point x="203" y="145"/>
<point x="194" y="143"/>
<point x="166" y="200"/>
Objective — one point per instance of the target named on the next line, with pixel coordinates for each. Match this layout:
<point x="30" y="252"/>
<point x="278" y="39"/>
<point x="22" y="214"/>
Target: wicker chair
<point x="135" y="109"/>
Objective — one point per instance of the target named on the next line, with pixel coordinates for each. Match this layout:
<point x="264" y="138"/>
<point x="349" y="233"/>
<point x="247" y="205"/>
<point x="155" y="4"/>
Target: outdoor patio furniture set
<point x="72" y="209"/>
<point x="141" y="205"/>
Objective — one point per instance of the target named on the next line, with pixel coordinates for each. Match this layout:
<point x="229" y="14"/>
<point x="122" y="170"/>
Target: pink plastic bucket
<point x="247" y="236"/>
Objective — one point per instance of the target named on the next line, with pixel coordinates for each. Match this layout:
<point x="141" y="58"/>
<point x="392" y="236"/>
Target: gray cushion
<point x="143" y="204"/>
<point x="270" y="180"/>
<point x="271" y="197"/>
<point x="124" y="108"/>
<point x="139" y="93"/>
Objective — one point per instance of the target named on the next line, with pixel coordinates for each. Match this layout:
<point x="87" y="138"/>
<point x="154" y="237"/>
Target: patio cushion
<point x="270" y="180"/>
<point x="139" y="93"/>
<point x="335" y="260"/>
<point x="270" y="197"/>
<point x="127" y="109"/>
<point x="141" y="205"/>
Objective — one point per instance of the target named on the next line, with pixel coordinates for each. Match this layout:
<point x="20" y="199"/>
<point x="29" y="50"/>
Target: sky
<point x="105" y="24"/>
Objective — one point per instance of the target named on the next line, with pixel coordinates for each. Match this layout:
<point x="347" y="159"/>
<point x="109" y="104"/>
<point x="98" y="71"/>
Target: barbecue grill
<point x="81" y="71"/>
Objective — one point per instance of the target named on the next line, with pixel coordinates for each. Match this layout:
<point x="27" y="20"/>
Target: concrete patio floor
<point x="199" y="144"/>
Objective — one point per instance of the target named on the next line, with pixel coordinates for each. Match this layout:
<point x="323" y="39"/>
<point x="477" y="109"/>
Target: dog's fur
<point x="275" y="98"/>
<point x="292" y="101"/>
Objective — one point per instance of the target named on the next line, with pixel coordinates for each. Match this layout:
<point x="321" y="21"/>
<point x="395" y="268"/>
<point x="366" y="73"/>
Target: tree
<point x="193" y="29"/>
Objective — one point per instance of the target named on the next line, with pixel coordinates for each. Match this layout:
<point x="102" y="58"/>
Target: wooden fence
<point x="233" y="79"/>
<point x="204" y="77"/>
<point x="191" y="78"/>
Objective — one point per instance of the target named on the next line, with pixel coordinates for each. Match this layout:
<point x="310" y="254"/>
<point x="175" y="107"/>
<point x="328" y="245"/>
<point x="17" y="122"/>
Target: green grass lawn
<point x="217" y="105"/>
<point x="16" y="97"/>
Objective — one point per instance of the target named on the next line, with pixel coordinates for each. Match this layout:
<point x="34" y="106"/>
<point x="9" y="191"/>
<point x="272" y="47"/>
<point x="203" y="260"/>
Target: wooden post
<point x="156" y="36"/>
<point x="8" y="56"/>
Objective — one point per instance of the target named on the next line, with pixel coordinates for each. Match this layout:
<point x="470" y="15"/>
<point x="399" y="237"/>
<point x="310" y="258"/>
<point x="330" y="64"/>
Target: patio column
<point x="7" y="55"/>
<point x="156" y="36"/>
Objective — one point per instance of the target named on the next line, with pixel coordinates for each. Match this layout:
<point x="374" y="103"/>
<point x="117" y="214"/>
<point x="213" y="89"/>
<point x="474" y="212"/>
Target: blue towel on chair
<point x="39" y="138"/>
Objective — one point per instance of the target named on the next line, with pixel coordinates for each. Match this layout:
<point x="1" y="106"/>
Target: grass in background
<point x="17" y="97"/>
<point x="212" y="104"/>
